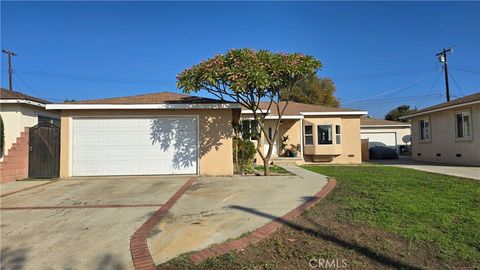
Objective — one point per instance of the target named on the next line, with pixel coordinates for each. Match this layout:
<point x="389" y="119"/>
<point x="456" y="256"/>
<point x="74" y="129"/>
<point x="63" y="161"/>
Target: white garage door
<point x="388" y="138"/>
<point x="134" y="146"/>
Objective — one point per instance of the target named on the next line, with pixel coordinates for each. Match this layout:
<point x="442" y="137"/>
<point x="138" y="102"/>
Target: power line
<point x="456" y="84"/>
<point x="396" y="90"/>
<point x="26" y="84"/>
<point x="465" y="70"/>
<point x="431" y="88"/>
<point x="380" y="74"/>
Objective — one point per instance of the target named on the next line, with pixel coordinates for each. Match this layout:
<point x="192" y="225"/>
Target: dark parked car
<point x="378" y="150"/>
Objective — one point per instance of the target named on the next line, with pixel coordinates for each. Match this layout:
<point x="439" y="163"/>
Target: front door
<point x="266" y="145"/>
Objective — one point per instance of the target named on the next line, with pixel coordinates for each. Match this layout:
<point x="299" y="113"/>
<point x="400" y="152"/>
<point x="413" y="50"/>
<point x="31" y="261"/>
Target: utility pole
<point x="442" y="56"/>
<point x="10" y="71"/>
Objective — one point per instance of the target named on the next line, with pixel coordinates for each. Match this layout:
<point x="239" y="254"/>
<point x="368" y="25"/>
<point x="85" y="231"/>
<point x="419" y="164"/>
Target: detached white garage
<point x="390" y="133"/>
<point x="134" y="145"/>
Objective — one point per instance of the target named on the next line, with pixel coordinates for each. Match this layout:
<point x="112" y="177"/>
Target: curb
<point x="264" y="231"/>
<point x="142" y="259"/>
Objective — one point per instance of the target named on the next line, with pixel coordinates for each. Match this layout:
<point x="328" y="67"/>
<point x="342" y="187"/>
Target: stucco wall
<point x="215" y="137"/>
<point x="16" y="117"/>
<point x="443" y="139"/>
<point x="348" y="151"/>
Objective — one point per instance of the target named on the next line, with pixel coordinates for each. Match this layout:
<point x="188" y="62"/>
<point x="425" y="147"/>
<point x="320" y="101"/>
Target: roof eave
<point x="22" y="101"/>
<point x="141" y="106"/>
<point x="440" y="109"/>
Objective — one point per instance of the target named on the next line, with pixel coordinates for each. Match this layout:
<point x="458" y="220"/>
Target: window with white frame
<point x="324" y="133"/>
<point x="338" y="136"/>
<point x="308" y="135"/>
<point x="250" y="130"/>
<point x="425" y="129"/>
<point x="463" y="124"/>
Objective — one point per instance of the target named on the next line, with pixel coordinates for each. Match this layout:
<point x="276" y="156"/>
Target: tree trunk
<point x="266" y="167"/>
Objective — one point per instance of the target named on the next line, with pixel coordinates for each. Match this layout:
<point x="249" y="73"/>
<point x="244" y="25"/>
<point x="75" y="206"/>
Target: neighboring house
<point x="159" y="133"/>
<point x="391" y="133"/>
<point x="324" y="134"/>
<point x="448" y="132"/>
<point x="20" y="111"/>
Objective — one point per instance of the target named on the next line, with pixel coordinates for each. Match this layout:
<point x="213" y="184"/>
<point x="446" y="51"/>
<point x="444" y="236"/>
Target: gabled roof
<point x="160" y="100"/>
<point x="301" y="109"/>
<point x="153" y="98"/>
<point x="6" y="94"/>
<point x="375" y="122"/>
<point x="471" y="99"/>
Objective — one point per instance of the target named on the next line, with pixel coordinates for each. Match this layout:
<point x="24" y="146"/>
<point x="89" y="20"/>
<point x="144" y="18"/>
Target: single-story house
<point x="20" y="111"/>
<point x="448" y="132"/>
<point x="323" y="134"/>
<point x="159" y="133"/>
<point x="392" y="133"/>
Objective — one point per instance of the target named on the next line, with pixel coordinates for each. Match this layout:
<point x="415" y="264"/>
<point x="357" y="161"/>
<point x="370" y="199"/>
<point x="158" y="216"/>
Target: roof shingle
<point x="369" y="121"/>
<point x="153" y="98"/>
<point x="459" y="101"/>
<point x="7" y="94"/>
<point x="295" y="108"/>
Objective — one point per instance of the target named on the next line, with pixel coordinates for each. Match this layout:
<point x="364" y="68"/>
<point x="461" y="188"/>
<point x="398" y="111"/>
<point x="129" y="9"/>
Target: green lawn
<point x="273" y="169"/>
<point x="377" y="217"/>
<point x="440" y="210"/>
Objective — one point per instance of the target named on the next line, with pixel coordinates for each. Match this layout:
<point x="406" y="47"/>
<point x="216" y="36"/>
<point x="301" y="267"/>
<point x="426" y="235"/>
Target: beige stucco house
<point x="391" y="133"/>
<point x="19" y="111"/>
<point x="448" y="132"/>
<point x="322" y="134"/>
<point x="160" y="133"/>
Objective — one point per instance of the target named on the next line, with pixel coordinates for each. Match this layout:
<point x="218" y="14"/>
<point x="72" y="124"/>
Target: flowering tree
<point x="250" y="77"/>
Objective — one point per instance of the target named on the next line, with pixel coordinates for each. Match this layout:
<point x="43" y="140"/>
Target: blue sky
<point x="380" y="54"/>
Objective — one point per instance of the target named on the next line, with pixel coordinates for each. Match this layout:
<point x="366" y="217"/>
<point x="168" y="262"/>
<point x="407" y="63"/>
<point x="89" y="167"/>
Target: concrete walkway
<point x="453" y="170"/>
<point x="213" y="209"/>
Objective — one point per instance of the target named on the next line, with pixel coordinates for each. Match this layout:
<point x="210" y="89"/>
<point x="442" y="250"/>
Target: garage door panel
<point x="388" y="138"/>
<point x="135" y="146"/>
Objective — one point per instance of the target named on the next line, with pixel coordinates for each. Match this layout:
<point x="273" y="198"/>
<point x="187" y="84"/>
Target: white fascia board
<point x="441" y="109"/>
<point x="22" y="101"/>
<point x="334" y="113"/>
<point x="251" y="112"/>
<point x="140" y="106"/>
<point x="269" y="117"/>
<point x="372" y="126"/>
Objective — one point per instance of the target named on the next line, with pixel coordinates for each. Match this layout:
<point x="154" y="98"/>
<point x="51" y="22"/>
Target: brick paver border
<point x="264" y="231"/>
<point x="142" y="259"/>
<point x="28" y="188"/>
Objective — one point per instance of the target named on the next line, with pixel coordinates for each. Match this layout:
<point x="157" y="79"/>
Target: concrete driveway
<point x="87" y="223"/>
<point x="80" y="223"/>
<point x="454" y="170"/>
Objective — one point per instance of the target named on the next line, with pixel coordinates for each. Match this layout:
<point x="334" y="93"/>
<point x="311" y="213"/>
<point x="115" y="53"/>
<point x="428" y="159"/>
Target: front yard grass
<point x="273" y="169"/>
<point x="377" y="217"/>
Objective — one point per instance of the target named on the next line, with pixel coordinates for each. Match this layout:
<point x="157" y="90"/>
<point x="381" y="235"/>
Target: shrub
<point x="243" y="154"/>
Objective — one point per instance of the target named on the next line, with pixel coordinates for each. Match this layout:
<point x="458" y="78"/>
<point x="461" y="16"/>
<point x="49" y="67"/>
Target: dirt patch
<point x="318" y="237"/>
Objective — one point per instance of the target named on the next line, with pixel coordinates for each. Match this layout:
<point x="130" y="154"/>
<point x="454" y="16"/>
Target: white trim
<point x="70" y="141"/>
<point x="251" y="112"/>
<point x="140" y="106"/>
<point x="335" y="113"/>
<point x="441" y="109"/>
<point x="22" y="101"/>
<point x="367" y="126"/>
<point x="270" y="117"/>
